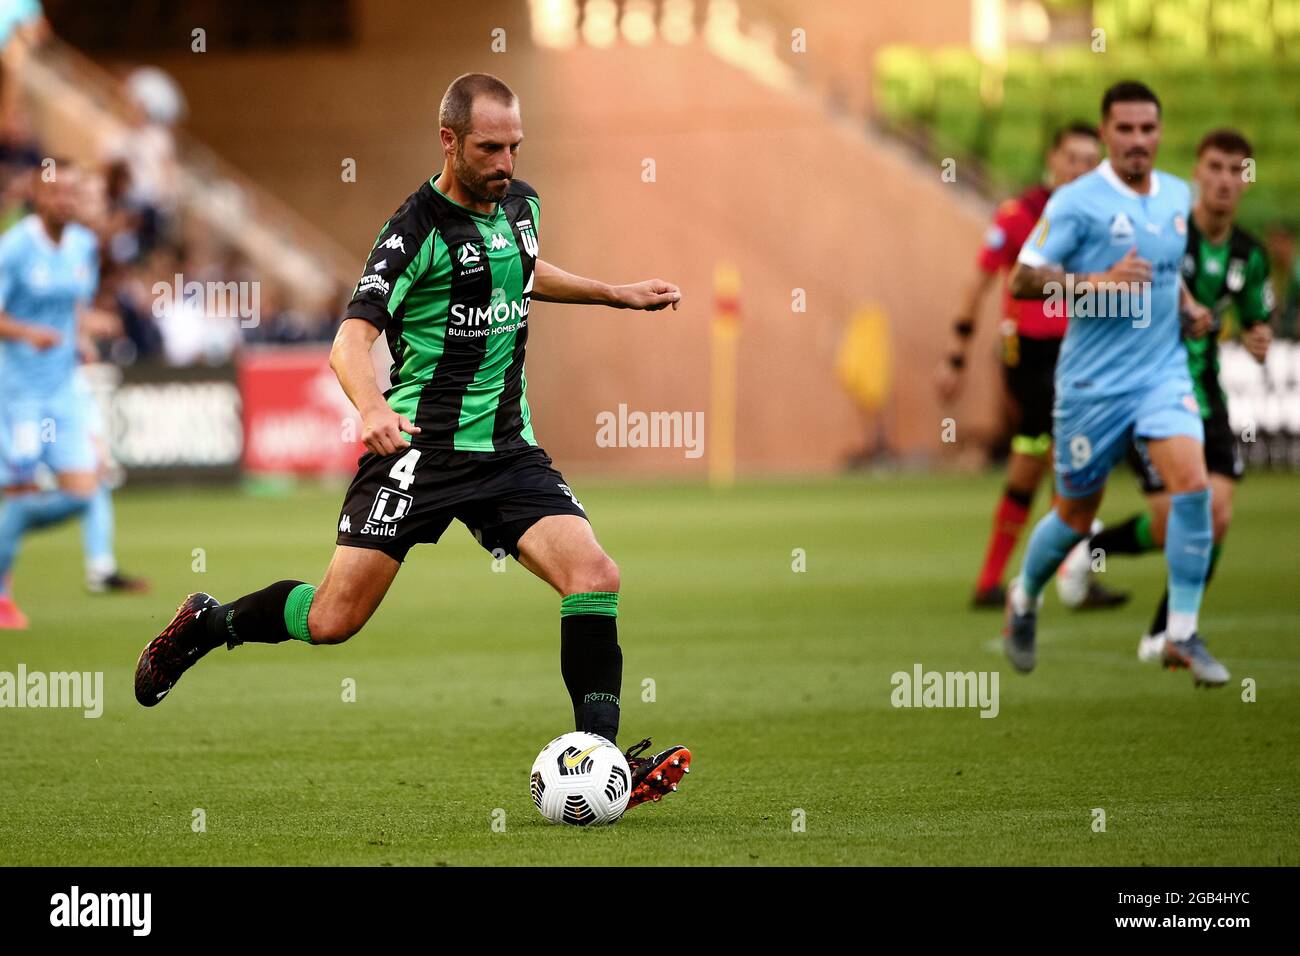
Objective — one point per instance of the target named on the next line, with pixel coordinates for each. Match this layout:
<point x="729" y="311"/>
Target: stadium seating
<point x="1213" y="62"/>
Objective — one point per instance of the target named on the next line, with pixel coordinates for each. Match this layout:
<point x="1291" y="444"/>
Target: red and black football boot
<point x="652" y="777"/>
<point x="175" y="650"/>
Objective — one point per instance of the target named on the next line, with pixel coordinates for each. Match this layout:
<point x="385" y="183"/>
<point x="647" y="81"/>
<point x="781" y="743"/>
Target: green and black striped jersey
<point x="451" y="290"/>
<point x="1229" y="277"/>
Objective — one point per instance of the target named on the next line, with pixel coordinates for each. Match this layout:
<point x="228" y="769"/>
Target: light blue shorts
<point x="39" y="431"/>
<point x="1092" y="434"/>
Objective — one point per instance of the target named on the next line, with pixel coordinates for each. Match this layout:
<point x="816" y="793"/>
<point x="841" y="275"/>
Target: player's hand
<point x="1131" y="269"/>
<point x="948" y="381"/>
<point x="1199" y="320"/>
<point x="42" y="337"/>
<point x="381" y="431"/>
<point x="1257" y="339"/>
<point x="650" y="295"/>
<point x="100" y="323"/>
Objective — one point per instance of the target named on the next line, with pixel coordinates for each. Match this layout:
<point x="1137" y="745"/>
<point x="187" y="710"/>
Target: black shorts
<point x="1030" y="367"/>
<point x="396" y="501"/>
<point x="1222" y="456"/>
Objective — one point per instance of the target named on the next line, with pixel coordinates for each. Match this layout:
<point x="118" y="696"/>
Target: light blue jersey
<point x="1116" y="343"/>
<point x="44" y="284"/>
<point x="42" y="416"/>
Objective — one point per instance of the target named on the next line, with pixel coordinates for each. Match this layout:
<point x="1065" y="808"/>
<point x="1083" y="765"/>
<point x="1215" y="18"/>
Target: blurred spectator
<point x="147" y="150"/>
<point x="169" y="290"/>
<point x="20" y="160"/>
<point x="1280" y="241"/>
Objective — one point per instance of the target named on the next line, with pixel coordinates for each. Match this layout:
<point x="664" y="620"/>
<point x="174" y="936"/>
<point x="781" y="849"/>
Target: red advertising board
<point x="296" y="418"/>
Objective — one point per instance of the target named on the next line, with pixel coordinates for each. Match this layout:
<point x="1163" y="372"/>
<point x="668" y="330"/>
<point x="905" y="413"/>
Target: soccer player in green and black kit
<point x="1225" y="268"/>
<point x="449" y="281"/>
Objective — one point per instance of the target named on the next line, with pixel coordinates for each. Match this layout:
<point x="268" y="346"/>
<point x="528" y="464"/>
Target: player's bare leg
<point x="1076" y="585"/>
<point x="25" y="508"/>
<point x="562" y="550"/>
<point x="355" y="583"/>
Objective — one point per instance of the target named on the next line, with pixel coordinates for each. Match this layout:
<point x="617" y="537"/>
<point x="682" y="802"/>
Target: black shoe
<point x="175" y="650"/>
<point x="117" y="584"/>
<point x="994" y="598"/>
<point x="1102" y="597"/>
<point x="652" y="777"/>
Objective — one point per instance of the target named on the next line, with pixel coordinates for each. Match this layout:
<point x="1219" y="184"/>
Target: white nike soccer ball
<point x="580" y="779"/>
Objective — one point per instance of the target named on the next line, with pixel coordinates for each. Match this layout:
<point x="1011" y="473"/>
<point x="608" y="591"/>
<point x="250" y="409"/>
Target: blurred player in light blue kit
<point x="1111" y="244"/>
<point x="48" y="275"/>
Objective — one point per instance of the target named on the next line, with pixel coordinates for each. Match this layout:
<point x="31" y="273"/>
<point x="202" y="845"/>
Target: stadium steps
<point x="79" y="107"/>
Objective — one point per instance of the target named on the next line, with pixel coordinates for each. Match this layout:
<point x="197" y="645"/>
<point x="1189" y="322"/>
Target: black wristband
<point x="957" y="361"/>
<point x="964" y="327"/>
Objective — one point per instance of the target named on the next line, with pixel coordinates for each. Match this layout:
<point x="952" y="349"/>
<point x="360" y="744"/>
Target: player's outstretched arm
<point x="949" y="377"/>
<point x="382" y="427"/>
<point x="39" y="337"/>
<point x="1033" y="282"/>
<point x="1200" y="318"/>
<point x="552" y="284"/>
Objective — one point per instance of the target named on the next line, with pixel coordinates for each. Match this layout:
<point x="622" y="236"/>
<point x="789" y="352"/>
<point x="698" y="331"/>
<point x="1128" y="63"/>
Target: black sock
<point x="1022" y="498"/>
<point x="1161" y="621"/>
<point x="591" y="663"/>
<point x="257" y="618"/>
<point x="1131" y="537"/>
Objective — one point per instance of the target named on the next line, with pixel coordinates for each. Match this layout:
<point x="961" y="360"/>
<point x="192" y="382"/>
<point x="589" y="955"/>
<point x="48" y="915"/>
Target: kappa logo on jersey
<point x="529" y="234"/>
<point x="1121" y="228"/>
<point x="498" y="241"/>
<point x="374" y="282"/>
<point x="394" y="242"/>
<point x="1236" y="275"/>
<point x="345" y="525"/>
<point x="389" y="506"/>
<point x="469" y="254"/>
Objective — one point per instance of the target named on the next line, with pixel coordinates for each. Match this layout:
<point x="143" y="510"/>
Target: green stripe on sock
<point x="592" y="602"/>
<point x="1142" y="532"/>
<point x="296" y="608"/>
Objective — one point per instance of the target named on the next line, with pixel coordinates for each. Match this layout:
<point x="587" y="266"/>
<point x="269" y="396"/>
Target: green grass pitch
<point x="779" y="682"/>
